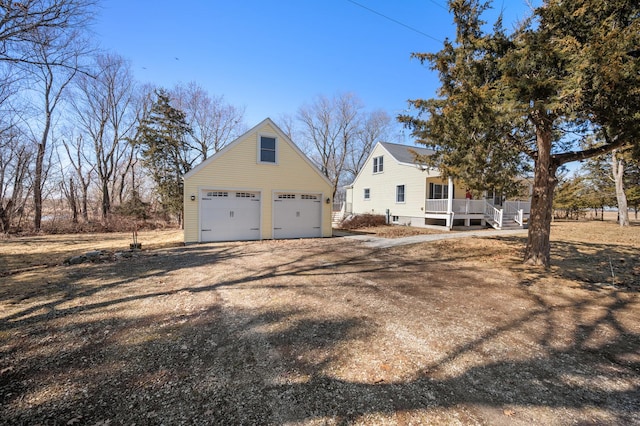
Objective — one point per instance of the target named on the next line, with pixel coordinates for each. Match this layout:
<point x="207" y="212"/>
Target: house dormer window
<point x="378" y="164"/>
<point x="267" y="152"/>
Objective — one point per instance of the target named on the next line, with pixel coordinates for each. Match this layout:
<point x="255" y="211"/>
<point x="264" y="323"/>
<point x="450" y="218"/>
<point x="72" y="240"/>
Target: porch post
<point x="450" y="203"/>
<point x="450" y="196"/>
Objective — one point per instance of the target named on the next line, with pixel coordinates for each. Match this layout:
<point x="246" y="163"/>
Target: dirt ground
<point x="328" y="331"/>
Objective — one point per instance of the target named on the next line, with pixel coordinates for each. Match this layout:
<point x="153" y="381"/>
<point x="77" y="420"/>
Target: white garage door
<point x="229" y="216"/>
<point x="297" y="215"/>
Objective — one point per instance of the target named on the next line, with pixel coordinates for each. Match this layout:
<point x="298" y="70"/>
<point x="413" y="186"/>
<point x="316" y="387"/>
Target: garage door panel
<point x="297" y="216"/>
<point x="229" y="216"/>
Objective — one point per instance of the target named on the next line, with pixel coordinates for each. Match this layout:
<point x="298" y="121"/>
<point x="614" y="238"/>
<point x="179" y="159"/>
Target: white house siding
<point x="383" y="189"/>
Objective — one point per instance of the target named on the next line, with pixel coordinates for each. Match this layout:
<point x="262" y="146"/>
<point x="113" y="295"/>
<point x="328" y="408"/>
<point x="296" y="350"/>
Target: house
<point x="393" y="184"/>
<point x="260" y="186"/>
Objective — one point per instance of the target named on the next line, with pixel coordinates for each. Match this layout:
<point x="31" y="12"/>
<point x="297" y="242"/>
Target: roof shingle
<point x="402" y="153"/>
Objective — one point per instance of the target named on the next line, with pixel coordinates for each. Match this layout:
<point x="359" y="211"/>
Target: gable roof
<point x="403" y="153"/>
<point x="255" y="128"/>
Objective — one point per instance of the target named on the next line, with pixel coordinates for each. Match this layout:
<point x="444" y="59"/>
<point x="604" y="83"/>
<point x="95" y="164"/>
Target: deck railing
<point x="493" y="214"/>
<point x="517" y="210"/>
<point x="511" y="210"/>
<point x="467" y="206"/>
<point x="460" y="206"/>
<point x="436" y="206"/>
<point x="514" y="206"/>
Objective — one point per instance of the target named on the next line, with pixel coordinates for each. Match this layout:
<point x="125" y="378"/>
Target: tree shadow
<point x="112" y="276"/>
<point x="591" y="264"/>
<point x="245" y="367"/>
<point x="216" y="363"/>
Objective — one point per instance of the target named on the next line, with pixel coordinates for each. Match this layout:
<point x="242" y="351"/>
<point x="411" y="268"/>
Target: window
<point x="287" y="196"/>
<point x="400" y="194"/>
<point x="395" y="219"/>
<point x="378" y="164"/>
<point x="217" y="194"/>
<point x="438" y="191"/>
<point x="367" y="194"/>
<point x="267" y="149"/>
<point x="308" y="197"/>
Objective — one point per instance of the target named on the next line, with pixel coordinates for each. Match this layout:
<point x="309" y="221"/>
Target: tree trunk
<point x="73" y="201"/>
<point x="618" y="175"/>
<point x="37" y="186"/>
<point x="106" y="203"/>
<point x="85" y="202"/>
<point x="538" y="248"/>
<point x="5" y="216"/>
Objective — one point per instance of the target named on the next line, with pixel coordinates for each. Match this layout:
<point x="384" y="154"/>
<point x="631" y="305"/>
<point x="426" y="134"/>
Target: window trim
<point x="378" y="164"/>
<point x="367" y="194"/>
<point x="404" y="194"/>
<point x="276" y="153"/>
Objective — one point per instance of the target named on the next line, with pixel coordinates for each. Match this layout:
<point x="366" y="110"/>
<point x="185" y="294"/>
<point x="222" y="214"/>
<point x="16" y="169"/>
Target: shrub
<point x="363" y="221"/>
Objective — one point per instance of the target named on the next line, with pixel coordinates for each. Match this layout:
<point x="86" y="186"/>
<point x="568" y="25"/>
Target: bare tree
<point x="286" y="122"/>
<point x="374" y="128"/>
<point x="50" y="80"/>
<point x="617" y="170"/>
<point x="105" y="108"/>
<point x="15" y="158"/>
<point x="22" y="22"/>
<point x="83" y="168"/>
<point x="331" y="126"/>
<point x="213" y="122"/>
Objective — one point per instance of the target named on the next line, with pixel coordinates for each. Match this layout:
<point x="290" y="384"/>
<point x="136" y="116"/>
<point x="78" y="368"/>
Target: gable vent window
<point x="378" y="164"/>
<point x="287" y="196"/>
<point x="267" y="149"/>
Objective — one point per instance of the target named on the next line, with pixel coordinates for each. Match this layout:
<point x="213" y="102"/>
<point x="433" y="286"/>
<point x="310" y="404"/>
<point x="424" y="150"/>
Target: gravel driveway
<point x="314" y="332"/>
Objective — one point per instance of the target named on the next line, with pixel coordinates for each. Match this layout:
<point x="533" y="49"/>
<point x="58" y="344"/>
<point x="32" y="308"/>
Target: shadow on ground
<point x="198" y="359"/>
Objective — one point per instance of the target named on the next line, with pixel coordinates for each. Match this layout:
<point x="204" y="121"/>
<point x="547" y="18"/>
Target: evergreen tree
<point x="599" y="182"/>
<point x="509" y="100"/>
<point x="162" y="138"/>
<point x="571" y="196"/>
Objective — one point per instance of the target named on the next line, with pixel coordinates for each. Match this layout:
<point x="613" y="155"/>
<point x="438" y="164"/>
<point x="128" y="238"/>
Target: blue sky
<point x="271" y="57"/>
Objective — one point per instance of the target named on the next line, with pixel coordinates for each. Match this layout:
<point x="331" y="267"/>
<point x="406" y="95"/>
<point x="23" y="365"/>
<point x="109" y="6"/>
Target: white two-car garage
<point x="230" y="215"/>
<point x="261" y="186"/>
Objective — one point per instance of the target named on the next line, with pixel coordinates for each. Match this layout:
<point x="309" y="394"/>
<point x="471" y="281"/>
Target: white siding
<point x="382" y="187"/>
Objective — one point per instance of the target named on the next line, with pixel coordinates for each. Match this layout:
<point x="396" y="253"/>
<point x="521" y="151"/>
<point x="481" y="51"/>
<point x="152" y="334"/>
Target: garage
<point x="229" y="215"/>
<point x="261" y="186"/>
<point x="297" y="215"/>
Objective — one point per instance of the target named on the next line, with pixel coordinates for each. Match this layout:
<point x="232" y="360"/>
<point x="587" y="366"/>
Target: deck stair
<point x="336" y="218"/>
<point x="508" y="222"/>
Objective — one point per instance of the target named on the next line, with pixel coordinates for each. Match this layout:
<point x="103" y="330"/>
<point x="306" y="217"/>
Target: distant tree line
<point x="594" y="187"/>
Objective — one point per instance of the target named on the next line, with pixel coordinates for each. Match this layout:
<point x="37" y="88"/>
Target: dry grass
<point x="327" y="331"/>
<point x="20" y="253"/>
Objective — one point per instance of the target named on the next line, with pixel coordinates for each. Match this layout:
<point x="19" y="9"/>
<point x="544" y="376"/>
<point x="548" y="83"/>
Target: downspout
<point x="450" y="204"/>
